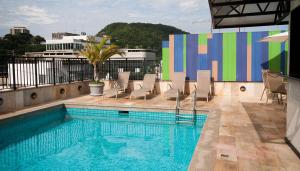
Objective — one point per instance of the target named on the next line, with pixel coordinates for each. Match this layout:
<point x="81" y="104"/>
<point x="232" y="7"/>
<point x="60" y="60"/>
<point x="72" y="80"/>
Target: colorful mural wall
<point x="236" y="56"/>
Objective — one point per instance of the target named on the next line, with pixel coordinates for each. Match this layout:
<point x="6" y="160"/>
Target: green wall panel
<point x="274" y="54"/>
<point x="165" y="63"/>
<point x="229" y="56"/>
<point x="202" y="39"/>
<point x="249" y="38"/>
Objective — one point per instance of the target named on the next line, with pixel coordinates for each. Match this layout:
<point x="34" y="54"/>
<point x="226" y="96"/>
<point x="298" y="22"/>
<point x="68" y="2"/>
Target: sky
<point x="43" y="17"/>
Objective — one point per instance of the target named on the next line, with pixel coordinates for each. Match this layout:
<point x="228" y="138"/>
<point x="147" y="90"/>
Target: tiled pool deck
<point x="240" y="134"/>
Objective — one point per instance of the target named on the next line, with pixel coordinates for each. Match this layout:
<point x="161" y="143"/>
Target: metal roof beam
<point x="219" y="4"/>
<point x="250" y="25"/>
<point x="266" y="7"/>
<point x="247" y="14"/>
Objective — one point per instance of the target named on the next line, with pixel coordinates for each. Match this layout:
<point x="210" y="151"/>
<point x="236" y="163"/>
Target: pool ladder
<point x="180" y="118"/>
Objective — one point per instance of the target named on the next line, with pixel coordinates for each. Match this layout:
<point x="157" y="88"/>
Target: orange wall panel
<point x="171" y="54"/>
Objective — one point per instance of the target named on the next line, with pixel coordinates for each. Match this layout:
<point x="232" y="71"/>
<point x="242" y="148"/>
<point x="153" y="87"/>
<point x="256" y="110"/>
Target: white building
<point x="67" y="47"/>
<point x="136" y="54"/>
<point x="16" y="30"/>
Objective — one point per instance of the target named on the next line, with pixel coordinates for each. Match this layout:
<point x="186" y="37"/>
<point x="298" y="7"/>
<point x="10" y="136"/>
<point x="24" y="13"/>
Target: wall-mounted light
<point x="62" y="91"/>
<point x="79" y="88"/>
<point x="33" y="95"/>
<point x="242" y="88"/>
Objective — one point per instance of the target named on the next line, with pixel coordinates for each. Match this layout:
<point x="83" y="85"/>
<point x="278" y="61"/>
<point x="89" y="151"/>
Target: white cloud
<point x="35" y="15"/>
<point x="189" y="5"/>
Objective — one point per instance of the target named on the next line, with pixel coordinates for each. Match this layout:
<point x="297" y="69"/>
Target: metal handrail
<point x="177" y="105"/>
<point x="194" y="106"/>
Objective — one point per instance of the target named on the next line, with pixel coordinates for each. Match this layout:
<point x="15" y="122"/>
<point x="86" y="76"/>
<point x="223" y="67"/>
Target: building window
<point x="137" y="70"/>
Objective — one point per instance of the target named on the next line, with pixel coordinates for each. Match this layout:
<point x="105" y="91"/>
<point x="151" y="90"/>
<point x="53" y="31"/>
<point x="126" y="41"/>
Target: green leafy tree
<point x="98" y="53"/>
<point x="37" y="39"/>
<point x="21" y="43"/>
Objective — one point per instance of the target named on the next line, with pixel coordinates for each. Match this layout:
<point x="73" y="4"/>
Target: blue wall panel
<point x="265" y="51"/>
<point x="165" y="44"/>
<point x="178" y="53"/>
<point x="203" y="60"/>
<point x="191" y="55"/>
<point x="257" y="56"/>
<point x="241" y="57"/>
<point x="209" y="53"/>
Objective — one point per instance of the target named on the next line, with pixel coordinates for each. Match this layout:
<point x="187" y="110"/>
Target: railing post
<point x="82" y="72"/>
<point x="36" y="74"/>
<point x="69" y="70"/>
<point x="109" y="69"/>
<point x="126" y="64"/>
<point x="144" y="65"/>
<point x="53" y="66"/>
<point x="13" y="72"/>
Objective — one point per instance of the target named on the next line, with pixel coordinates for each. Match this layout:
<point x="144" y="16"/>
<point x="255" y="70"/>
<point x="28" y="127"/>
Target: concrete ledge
<point x="21" y="98"/>
<point x="253" y="89"/>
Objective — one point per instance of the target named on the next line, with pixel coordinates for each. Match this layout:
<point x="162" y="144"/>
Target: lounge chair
<point x="146" y="88"/>
<point x="178" y="84"/>
<point x="119" y="86"/>
<point x="203" y="87"/>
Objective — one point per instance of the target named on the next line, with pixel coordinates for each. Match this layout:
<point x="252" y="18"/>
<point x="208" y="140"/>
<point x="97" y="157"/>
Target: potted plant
<point x="98" y="53"/>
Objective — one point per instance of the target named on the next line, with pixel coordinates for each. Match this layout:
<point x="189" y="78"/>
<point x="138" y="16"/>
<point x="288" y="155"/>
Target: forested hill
<point x="139" y="35"/>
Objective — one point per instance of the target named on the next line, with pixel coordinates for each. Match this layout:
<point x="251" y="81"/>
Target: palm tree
<point x="98" y="53"/>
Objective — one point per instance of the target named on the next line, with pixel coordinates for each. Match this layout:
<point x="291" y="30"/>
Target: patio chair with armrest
<point x="276" y="85"/>
<point x="265" y="81"/>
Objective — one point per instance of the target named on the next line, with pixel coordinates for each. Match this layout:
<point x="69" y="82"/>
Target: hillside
<point x="139" y="35"/>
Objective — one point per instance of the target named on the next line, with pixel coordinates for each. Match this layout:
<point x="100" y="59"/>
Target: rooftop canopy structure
<point x="247" y="13"/>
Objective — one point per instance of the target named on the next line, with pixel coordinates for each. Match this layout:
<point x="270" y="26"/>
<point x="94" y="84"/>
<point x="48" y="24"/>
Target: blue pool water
<point x="90" y="139"/>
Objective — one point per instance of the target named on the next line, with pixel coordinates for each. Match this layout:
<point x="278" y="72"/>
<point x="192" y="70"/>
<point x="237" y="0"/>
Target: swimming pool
<point x="93" y="139"/>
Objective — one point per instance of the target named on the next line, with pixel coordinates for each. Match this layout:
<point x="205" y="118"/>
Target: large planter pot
<point x="96" y="89"/>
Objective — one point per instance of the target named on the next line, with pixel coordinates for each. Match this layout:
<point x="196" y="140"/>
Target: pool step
<point x="185" y="119"/>
<point x="185" y="122"/>
<point x="183" y="116"/>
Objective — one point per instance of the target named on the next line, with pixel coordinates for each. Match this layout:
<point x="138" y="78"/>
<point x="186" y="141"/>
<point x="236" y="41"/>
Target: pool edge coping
<point x="202" y="145"/>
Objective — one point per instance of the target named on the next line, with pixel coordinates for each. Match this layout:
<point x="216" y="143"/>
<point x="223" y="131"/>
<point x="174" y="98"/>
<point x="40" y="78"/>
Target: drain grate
<point x="123" y="113"/>
<point x="225" y="155"/>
